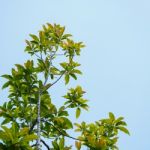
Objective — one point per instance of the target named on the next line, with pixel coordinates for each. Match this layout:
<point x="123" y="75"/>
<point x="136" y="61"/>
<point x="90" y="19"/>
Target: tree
<point x="30" y="115"/>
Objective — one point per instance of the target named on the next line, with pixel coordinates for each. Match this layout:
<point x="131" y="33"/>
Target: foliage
<point x="30" y="104"/>
<point x="102" y="134"/>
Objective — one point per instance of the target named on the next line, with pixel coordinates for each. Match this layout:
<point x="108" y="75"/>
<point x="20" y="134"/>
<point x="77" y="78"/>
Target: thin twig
<point x="37" y="55"/>
<point x="44" y="143"/>
<point x="33" y="125"/>
<point x="53" y="82"/>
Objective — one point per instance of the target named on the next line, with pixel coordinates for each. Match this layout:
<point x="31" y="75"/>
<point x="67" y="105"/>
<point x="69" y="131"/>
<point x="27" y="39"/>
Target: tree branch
<point x="66" y="135"/>
<point x="39" y="122"/>
<point x="53" y="82"/>
<point x="33" y="125"/>
<point x="44" y="143"/>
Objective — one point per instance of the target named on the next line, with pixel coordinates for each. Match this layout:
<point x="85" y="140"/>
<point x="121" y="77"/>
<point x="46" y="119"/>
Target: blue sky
<point x="115" y="62"/>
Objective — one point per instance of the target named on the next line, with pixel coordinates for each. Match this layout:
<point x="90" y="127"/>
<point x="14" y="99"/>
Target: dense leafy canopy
<point x="29" y="101"/>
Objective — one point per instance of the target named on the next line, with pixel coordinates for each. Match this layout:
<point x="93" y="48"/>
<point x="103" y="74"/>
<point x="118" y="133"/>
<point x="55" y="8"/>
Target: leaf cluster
<point x="101" y="135"/>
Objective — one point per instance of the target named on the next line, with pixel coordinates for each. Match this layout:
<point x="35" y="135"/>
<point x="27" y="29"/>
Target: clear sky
<point x="115" y="62"/>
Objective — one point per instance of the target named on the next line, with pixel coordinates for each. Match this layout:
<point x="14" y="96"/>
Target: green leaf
<point x="55" y="145"/>
<point x="61" y="144"/>
<point x="121" y="123"/>
<point x="34" y="37"/>
<point x="67" y="78"/>
<point x="64" y="65"/>
<point x="29" y="138"/>
<point x="6" y="76"/>
<point x="41" y="35"/>
<point x="111" y="116"/>
<point x="78" y="112"/>
<point x="6" y="85"/>
<point x="119" y="119"/>
<point x="78" y="145"/>
<point x="5" y="121"/>
<point x="67" y="123"/>
<point x="73" y="76"/>
<point x="77" y="71"/>
<point x="66" y="36"/>
<point x="123" y="129"/>
<point x="24" y="131"/>
<point x="7" y="131"/>
<point x="85" y="107"/>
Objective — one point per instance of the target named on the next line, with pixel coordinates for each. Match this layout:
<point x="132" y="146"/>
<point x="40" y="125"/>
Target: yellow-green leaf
<point x="78" y="112"/>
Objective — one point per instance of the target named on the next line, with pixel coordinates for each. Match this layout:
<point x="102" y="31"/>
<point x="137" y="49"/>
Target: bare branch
<point x="39" y="122"/>
<point x="53" y="82"/>
<point x="37" y="55"/>
<point x="44" y="143"/>
<point x="33" y="125"/>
